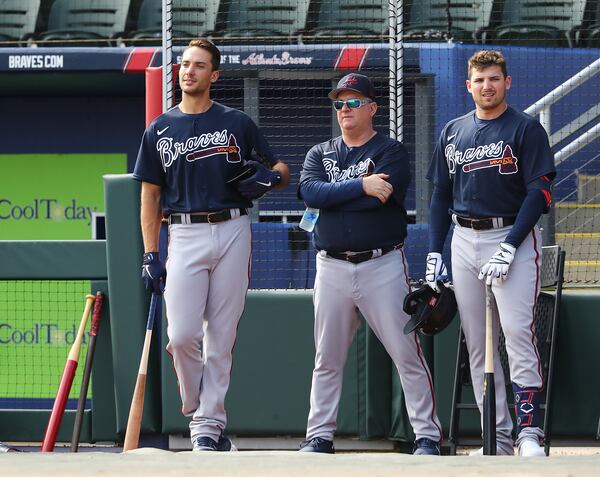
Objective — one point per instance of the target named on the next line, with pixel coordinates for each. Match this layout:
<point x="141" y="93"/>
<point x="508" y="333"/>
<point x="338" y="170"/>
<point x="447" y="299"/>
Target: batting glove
<point x="259" y="183"/>
<point x="154" y="273"/>
<point x="435" y="270"/>
<point x="497" y="267"/>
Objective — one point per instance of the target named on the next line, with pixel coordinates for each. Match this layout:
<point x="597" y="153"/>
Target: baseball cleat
<point x="531" y="448"/>
<point x="6" y="448"/>
<point x="205" y="443"/>
<point x="317" y="444"/>
<point x="499" y="451"/>
<point x="425" y="446"/>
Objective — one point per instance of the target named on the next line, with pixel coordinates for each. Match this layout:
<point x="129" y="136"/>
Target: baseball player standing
<point x="358" y="181"/>
<point x="186" y="158"/>
<point x="491" y="172"/>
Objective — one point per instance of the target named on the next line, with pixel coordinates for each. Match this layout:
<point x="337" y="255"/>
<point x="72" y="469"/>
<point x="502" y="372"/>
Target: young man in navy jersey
<point x="187" y="160"/>
<point x="491" y="172"/>
<point x="358" y="181"/>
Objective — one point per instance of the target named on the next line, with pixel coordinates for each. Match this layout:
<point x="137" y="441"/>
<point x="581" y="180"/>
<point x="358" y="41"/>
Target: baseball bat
<point x="134" y="422"/>
<point x="66" y="381"/>
<point x="87" y="371"/>
<point x="489" y="386"/>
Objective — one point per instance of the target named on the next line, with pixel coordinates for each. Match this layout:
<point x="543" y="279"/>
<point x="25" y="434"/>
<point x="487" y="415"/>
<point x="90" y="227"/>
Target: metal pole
<point x="400" y="67"/>
<point x="582" y="141"/>
<point x="557" y="93"/>
<point x="167" y="59"/>
<point x="546" y="120"/>
<point x="392" y="66"/>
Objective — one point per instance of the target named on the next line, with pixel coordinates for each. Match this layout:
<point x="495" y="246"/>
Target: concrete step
<point x="575" y="217"/>
<point x="582" y="263"/>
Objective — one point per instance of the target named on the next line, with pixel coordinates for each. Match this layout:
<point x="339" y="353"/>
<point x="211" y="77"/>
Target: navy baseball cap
<point x="354" y="82"/>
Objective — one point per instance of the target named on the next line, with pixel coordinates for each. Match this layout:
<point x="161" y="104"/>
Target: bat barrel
<point x="134" y="422"/>
<point x="489" y="386"/>
<point x="66" y="381"/>
<point x="89" y="361"/>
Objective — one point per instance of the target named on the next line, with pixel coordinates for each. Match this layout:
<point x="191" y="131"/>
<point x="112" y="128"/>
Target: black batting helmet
<point x="431" y="311"/>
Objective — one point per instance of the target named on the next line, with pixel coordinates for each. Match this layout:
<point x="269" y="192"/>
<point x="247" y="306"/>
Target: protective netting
<point x="281" y="57"/>
<point x="38" y="324"/>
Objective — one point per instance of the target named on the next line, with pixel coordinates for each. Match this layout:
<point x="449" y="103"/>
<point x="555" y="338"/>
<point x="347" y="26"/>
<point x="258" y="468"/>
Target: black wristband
<point x="150" y="257"/>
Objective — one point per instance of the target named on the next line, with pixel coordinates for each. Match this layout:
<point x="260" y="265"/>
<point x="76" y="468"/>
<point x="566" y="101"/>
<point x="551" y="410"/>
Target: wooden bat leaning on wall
<point x="66" y="381"/>
<point x="132" y="434"/>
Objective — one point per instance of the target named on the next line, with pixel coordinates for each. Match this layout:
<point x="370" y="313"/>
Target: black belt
<point x="206" y="217"/>
<point x="359" y="257"/>
<point x="484" y="224"/>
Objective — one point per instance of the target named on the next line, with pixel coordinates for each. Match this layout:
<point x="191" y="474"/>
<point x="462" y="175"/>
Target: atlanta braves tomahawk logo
<point x="335" y="174"/>
<point x="199" y="147"/>
<point x="481" y="157"/>
<point x="351" y="80"/>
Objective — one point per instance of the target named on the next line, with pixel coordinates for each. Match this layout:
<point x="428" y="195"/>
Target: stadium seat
<point x="265" y="18"/>
<point x="87" y="22"/>
<point x="440" y="20"/>
<point x="18" y="19"/>
<point x="547" y="23"/>
<point x="354" y="21"/>
<point x="592" y="32"/>
<point x="191" y="19"/>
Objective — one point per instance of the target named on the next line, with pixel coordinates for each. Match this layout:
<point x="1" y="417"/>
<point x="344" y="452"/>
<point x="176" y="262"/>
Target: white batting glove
<point x="435" y="270"/>
<point x="497" y="267"/>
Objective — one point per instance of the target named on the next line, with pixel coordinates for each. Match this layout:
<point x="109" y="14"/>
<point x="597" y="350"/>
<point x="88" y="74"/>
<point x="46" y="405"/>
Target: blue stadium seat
<point x="264" y="20"/>
<point x="548" y="23"/>
<point x="191" y="19"/>
<point x="18" y="19"/>
<point x="88" y="22"/>
<point x="350" y="21"/>
<point x="440" y="20"/>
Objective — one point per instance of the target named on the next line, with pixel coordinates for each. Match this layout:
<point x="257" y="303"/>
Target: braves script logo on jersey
<point x="199" y="147"/>
<point x="335" y="174"/>
<point x="480" y="157"/>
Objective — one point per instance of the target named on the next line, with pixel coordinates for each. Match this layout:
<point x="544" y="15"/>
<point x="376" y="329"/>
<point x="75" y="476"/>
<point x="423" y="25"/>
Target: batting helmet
<point x="431" y="311"/>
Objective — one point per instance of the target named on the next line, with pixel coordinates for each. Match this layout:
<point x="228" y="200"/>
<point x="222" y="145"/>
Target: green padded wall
<point x="272" y="370"/>
<point x="128" y="301"/>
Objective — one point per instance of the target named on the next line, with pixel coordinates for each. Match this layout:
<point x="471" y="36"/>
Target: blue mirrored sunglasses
<point x="351" y="103"/>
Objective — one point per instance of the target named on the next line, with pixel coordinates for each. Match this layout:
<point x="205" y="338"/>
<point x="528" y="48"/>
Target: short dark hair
<point x="485" y="58"/>
<point x="210" y="47"/>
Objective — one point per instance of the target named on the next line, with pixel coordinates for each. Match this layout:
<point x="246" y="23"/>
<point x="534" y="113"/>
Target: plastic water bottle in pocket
<point x="309" y="219"/>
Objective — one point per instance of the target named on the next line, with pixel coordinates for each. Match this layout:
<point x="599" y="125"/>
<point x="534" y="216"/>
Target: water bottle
<point x="309" y="219"/>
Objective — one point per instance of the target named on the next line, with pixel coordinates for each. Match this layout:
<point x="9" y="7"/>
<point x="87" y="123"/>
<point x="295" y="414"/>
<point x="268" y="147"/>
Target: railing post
<point x="548" y="221"/>
<point x="546" y="120"/>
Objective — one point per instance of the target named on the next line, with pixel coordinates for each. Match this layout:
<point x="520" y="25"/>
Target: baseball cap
<point x="354" y="82"/>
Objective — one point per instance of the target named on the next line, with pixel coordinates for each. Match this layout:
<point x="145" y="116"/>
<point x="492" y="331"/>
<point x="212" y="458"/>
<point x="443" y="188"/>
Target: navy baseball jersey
<point x="193" y="155"/>
<point x="349" y="220"/>
<point x="489" y="165"/>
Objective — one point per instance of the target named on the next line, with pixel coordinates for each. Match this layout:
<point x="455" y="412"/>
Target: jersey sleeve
<point x="148" y="166"/>
<point x="316" y="190"/>
<point x="441" y="198"/>
<point x="260" y="144"/>
<point x="394" y="162"/>
<point x="438" y="172"/>
<point x="538" y="159"/>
